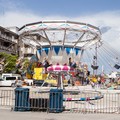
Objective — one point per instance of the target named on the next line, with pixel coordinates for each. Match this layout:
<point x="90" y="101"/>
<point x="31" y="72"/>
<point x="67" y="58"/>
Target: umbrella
<point x="59" y="68"/>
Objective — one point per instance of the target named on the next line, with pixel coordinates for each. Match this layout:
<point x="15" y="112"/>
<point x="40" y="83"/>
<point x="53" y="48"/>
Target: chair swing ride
<point x="60" y="40"/>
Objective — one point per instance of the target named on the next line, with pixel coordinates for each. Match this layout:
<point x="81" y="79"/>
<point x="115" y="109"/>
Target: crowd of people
<point x="85" y="78"/>
<point x="46" y="63"/>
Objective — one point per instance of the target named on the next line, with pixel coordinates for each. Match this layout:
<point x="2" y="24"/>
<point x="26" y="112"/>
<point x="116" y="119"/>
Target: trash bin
<point x="22" y="99"/>
<point x="56" y="100"/>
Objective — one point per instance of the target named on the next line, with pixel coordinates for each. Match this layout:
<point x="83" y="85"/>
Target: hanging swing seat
<point x="117" y="66"/>
<point x="94" y="67"/>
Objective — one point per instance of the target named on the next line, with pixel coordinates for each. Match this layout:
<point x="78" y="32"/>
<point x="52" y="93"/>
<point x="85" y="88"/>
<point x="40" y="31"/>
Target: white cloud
<point x="20" y="18"/>
<point x="111" y="19"/>
<point x="17" y="18"/>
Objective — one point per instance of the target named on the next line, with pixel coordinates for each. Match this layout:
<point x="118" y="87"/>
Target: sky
<point x="69" y="8"/>
<point x="104" y="14"/>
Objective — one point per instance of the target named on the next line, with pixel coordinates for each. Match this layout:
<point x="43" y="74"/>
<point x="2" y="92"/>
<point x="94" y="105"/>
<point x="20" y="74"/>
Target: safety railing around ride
<point x="61" y="101"/>
<point x="7" y="98"/>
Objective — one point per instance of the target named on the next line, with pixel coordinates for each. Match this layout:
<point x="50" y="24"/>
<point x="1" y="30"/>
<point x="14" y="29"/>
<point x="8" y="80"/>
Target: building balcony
<point x="29" y="51"/>
<point x="10" y="50"/>
<point x="7" y="38"/>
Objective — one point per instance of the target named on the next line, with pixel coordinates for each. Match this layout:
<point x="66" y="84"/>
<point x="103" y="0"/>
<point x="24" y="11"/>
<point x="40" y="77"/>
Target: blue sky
<point x="61" y="7"/>
<point x="72" y="7"/>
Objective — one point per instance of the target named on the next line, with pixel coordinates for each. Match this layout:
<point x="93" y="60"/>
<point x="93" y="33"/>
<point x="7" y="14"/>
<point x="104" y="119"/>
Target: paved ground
<point x="6" y="114"/>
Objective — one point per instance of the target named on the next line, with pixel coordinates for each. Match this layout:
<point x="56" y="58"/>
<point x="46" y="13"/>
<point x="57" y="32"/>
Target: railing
<point x="7" y="49"/>
<point x="28" y="50"/>
<point x="6" y="37"/>
<point x="67" y="101"/>
<point x="92" y="102"/>
<point x="7" y="98"/>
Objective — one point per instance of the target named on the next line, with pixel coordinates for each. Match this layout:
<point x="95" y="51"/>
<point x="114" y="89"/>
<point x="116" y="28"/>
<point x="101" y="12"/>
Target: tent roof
<point x="60" y="33"/>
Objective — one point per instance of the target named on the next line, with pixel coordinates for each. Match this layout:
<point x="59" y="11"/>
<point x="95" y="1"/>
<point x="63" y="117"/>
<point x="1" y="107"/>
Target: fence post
<point x="118" y="103"/>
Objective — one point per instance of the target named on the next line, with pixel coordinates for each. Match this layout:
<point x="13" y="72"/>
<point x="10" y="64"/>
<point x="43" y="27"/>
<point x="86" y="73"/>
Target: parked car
<point x="9" y="75"/>
<point x="9" y="80"/>
<point x="6" y="75"/>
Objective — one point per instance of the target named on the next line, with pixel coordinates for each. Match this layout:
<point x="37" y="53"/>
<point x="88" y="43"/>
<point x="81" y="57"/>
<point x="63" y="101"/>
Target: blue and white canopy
<point x="54" y="38"/>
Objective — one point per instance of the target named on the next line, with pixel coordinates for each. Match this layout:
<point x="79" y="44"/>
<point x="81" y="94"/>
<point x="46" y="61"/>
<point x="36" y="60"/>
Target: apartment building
<point x="8" y="41"/>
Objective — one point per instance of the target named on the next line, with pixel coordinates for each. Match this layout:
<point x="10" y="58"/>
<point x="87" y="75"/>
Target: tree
<point x="9" y="62"/>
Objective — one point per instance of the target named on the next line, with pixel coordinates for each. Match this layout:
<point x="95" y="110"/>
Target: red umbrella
<point x="59" y="68"/>
<point x="65" y="68"/>
<point x="50" y="68"/>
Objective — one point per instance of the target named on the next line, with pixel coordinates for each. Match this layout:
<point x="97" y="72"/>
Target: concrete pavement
<point x="6" y="114"/>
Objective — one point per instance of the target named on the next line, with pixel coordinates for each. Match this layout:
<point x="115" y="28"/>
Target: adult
<point x="46" y="63"/>
<point x="70" y="62"/>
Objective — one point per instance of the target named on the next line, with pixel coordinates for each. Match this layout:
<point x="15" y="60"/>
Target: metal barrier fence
<point x="7" y="98"/>
<point x="93" y="102"/>
<point x="71" y="101"/>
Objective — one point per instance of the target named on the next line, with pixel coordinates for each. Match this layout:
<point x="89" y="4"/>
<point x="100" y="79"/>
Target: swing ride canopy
<point x="57" y="36"/>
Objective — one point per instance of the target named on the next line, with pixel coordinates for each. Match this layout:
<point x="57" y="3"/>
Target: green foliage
<point x="25" y="64"/>
<point x="9" y="62"/>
